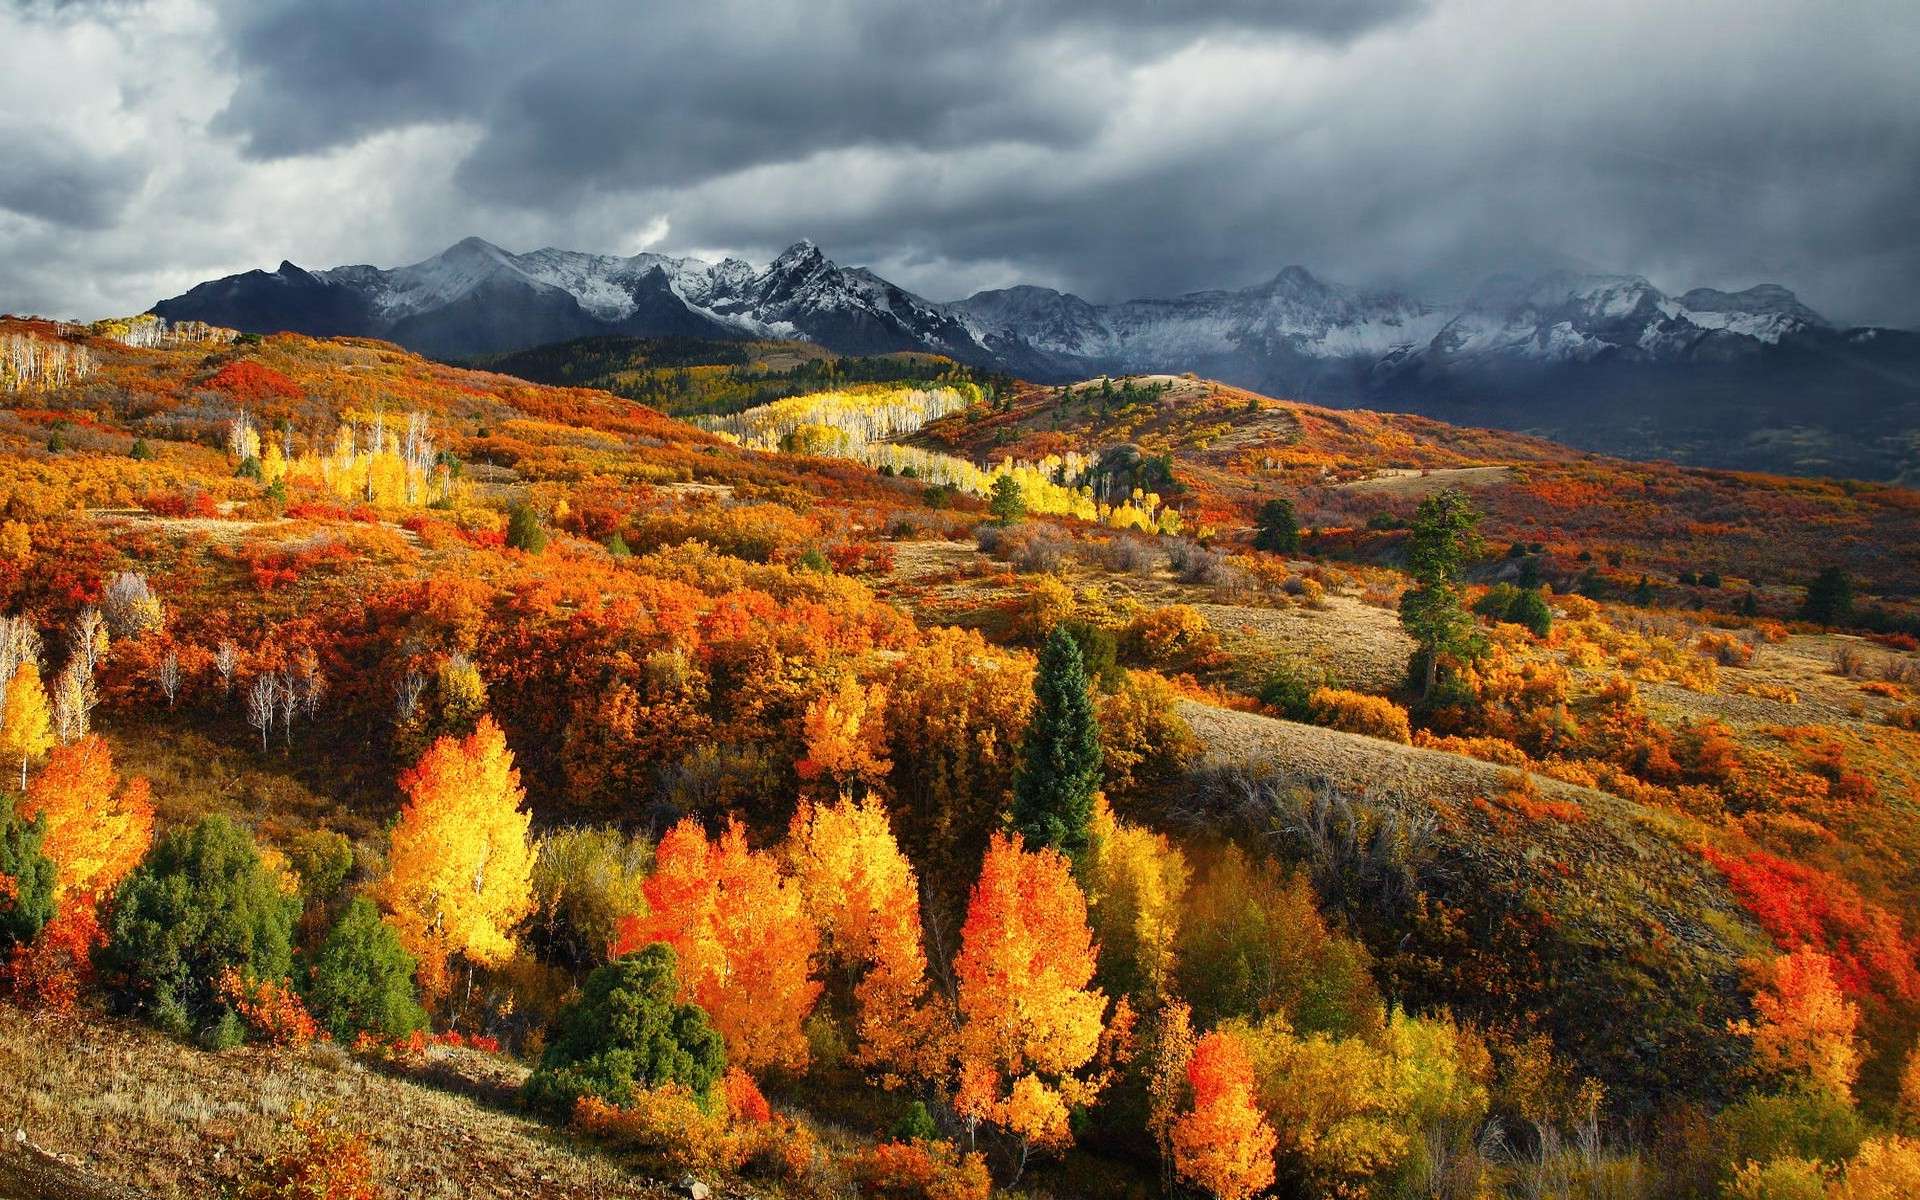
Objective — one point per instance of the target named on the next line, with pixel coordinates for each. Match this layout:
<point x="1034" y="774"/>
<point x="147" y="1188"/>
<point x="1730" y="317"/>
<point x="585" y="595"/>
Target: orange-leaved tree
<point x="863" y="895"/>
<point x="846" y="735"/>
<point x="1224" y="1145"/>
<point x="98" y="828"/>
<point x="460" y="868"/>
<point x="1807" y="1025"/>
<point x="744" y="943"/>
<point x="1029" y="1017"/>
<point x="26" y="722"/>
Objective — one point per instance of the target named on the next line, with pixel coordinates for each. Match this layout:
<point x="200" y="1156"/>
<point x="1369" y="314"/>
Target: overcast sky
<point x="1115" y="148"/>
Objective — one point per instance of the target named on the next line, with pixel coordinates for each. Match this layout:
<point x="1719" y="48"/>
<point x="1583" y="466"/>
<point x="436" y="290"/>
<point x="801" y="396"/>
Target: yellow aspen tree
<point x="26" y="728"/>
<point x="461" y="866"/>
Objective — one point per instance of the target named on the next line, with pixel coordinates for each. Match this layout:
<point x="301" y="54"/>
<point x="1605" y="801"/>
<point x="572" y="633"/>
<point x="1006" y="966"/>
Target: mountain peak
<point x="801" y="253"/>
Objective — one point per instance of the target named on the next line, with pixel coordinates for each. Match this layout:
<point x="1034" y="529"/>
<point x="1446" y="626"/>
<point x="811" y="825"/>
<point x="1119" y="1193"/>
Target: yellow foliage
<point x="1806" y="1026"/>
<point x="1355" y="712"/>
<point x="460" y="868"/>
<point x="1137" y="879"/>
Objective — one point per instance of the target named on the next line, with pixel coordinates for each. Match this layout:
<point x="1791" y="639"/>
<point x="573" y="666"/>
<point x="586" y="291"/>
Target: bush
<point x="1176" y="636"/>
<point x="26" y="878"/>
<point x="524" y="531"/>
<point x="202" y="902"/>
<point x="1354" y="712"/>
<point x="1798" y="1124"/>
<point x="363" y="978"/>
<point x="1525" y="607"/>
<point x="625" y="1035"/>
<point x="325" y="1162"/>
<point x="922" y="1170"/>
<point x="1289" y="690"/>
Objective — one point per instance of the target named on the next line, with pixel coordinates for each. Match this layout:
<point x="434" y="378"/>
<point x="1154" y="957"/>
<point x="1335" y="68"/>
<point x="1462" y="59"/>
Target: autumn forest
<point x="801" y="775"/>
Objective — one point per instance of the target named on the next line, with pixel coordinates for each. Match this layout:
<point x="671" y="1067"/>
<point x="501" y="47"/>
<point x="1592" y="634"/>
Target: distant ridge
<point x="1751" y="379"/>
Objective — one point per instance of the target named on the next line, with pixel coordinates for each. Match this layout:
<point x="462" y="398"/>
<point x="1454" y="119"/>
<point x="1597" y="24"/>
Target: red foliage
<point x="250" y="382"/>
<point x="187" y="502"/>
<point x="744" y="1100"/>
<point x="1803" y="906"/>
<point x="50" y="971"/>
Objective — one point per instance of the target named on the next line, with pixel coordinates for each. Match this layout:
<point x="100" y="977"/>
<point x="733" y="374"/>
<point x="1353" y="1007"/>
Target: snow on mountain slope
<point x="1293" y="317"/>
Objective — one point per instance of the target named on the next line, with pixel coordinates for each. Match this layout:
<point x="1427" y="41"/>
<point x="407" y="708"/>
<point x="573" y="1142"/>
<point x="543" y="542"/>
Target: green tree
<point x="142" y="451"/>
<point x="1059" y="767"/>
<point x="201" y="902"/>
<point x="363" y="978"/>
<point x="625" y="1033"/>
<point x="1445" y="536"/>
<point x="1829" y="598"/>
<point x="1279" y="529"/>
<point x="524" y="531"/>
<point x="26" y="877"/>
<point x="1007" y="502"/>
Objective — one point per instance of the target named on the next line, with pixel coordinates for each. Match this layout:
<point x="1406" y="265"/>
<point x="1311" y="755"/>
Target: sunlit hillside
<point x="424" y="781"/>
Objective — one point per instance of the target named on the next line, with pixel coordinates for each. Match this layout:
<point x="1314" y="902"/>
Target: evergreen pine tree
<point x="1007" y="503"/>
<point x="524" y="531"/>
<point x="1829" y="598"/>
<point x="1279" y="531"/>
<point x="1059" y="768"/>
<point x="1433" y="611"/>
<point x="26" y="877"/>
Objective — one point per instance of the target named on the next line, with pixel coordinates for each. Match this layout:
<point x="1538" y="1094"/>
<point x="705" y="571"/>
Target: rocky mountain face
<point x="1746" y="379"/>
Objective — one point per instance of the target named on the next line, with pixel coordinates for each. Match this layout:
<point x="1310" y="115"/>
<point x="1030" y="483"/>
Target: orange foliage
<point x="1806" y="1026"/>
<point x="744" y="943"/>
<point x="50" y="971"/>
<point x="862" y="894"/>
<point x="920" y="1170"/>
<point x="270" y="1007"/>
<point x="97" y="829"/>
<point x="460" y="865"/>
<point x="327" y="1161"/>
<point x="1224" y="1145"/>
<point x="1029" y="1018"/>
<point x="847" y="738"/>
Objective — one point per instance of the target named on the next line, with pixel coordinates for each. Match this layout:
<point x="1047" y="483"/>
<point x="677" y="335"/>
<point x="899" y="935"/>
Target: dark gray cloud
<point x="1114" y="147"/>
<point x="47" y="177"/>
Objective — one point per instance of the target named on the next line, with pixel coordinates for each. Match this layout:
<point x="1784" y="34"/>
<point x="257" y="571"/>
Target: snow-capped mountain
<point x="476" y="298"/>
<point x="1609" y="362"/>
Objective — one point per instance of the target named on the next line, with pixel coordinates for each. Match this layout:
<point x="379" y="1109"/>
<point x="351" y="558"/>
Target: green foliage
<point x="142" y="451"/>
<point x="916" y="1125"/>
<point x="201" y="902"/>
<point x="1289" y="689"/>
<point x="322" y="859"/>
<point x="1099" y="652"/>
<point x="815" y="561"/>
<point x="524" y="531"/>
<point x="626" y="1033"/>
<point x="617" y="547"/>
<point x="1007" y="502"/>
<point x="1445" y="536"/>
<point x="249" y="468"/>
<point x="1253" y="944"/>
<point x="1829" y="598"/>
<point x="1059" y="767"/>
<point x="363" y="978"/>
<point x="26" y="877"/>
<point x="1279" y="529"/>
<point x="1517" y="606"/>
<point x="1796" y="1124"/>
<point x="584" y="881"/>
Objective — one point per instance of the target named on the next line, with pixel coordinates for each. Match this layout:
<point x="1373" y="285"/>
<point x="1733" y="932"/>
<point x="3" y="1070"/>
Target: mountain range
<point x="1752" y="379"/>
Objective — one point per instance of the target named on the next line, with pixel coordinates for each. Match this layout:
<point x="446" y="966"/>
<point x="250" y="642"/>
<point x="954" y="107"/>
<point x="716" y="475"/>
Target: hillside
<point x="1634" y="878"/>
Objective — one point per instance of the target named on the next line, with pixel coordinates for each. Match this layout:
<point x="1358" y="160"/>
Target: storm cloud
<point x="1114" y="149"/>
